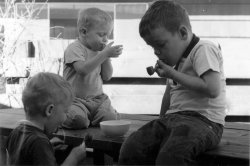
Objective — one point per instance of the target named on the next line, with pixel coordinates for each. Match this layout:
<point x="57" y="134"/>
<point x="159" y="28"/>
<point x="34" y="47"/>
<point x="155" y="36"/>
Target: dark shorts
<point x="176" y="139"/>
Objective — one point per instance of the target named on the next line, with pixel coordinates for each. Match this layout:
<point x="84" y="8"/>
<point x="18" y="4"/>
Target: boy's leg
<point x="104" y="111"/>
<point x="142" y="146"/>
<point x="173" y="140"/>
<point x="189" y="137"/>
<point x="77" y="116"/>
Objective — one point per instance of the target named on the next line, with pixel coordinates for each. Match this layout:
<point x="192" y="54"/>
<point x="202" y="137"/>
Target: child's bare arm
<point x="165" y="101"/>
<point x="85" y="67"/>
<point x="77" y="154"/>
<point x="208" y="84"/>
<point x="107" y="70"/>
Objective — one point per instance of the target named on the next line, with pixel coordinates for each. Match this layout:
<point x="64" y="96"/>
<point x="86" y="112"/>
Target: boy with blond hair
<point x="87" y="63"/>
<point x="46" y="99"/>
<point x="192" y="113"/>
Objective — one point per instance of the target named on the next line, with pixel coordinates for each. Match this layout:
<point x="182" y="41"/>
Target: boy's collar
<point x="191" y="45"/>
<point x="189" y="48"/>
<point x="27" y="122"/>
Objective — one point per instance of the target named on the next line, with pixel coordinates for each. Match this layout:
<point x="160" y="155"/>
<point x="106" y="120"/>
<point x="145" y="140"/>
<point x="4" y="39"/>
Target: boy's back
<point x="28" y="145"/>
<point x="45" y="98"/>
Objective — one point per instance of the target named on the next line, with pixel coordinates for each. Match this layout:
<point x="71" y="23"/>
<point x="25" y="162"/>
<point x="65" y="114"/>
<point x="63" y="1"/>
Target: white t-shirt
<point x="83" y="86"/>
<point x="203" y="57"/>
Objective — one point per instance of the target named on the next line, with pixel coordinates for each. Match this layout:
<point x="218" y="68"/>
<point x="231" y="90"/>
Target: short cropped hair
<point x="164" y="13"/>
<point x="43" y="89"/>
<point x="89" y="17"/>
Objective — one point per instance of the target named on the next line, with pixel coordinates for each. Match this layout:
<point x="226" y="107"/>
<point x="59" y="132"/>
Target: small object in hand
<point x="150" y="70"/>
<point x="88" y="138"/>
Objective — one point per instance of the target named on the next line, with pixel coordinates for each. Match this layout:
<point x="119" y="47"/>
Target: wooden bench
<point x="232" y="150"/>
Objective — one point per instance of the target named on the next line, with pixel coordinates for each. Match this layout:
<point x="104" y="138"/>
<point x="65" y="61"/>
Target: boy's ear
<point x="183" y="32"/>
<point x="49" y="110"/>
<point x="83" y="30"/>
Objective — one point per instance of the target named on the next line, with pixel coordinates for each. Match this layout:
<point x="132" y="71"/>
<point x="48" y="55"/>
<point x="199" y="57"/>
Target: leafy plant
<point x="15" y="18"/>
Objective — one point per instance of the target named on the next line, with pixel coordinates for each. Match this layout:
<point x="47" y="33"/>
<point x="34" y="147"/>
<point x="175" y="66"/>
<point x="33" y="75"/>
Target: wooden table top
<point x="235" y="142"/>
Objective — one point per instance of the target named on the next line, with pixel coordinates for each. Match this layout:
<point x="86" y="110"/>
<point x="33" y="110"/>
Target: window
<point x="225" y="22"/>
<point x="63" y="18"/>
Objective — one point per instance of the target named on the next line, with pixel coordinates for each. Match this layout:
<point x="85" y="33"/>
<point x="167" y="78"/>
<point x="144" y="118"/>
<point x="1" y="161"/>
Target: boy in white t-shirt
<point x="87" y="62"/>
<point x="193" y="106"/>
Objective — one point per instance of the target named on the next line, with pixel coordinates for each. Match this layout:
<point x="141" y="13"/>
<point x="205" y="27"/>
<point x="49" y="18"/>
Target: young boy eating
<point x="87" y="63"/>
<point x="46" y="99"/>
<point x="193" y="107"/>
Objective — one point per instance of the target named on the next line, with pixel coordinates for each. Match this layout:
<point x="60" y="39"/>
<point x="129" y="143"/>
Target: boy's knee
<point x="110" y="116"/>
<point x="77" y="118"/>
<point x="104" y="114"/>
<point x="76" y="122"/>
<point x="127" y="154"/>
<point x="135" y="152"/>
<point x="174" y="158"/>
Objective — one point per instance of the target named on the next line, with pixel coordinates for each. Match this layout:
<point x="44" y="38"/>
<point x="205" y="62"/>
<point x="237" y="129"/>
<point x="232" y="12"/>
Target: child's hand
<point x="164" y="70"/>
<point x="76" y="155"/>
<point x="112" y="51"/>
<point x="79" y="152"/>
<point x="58" y="144"/>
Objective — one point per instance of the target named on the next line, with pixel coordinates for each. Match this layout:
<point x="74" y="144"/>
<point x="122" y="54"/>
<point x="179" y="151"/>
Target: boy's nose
<point x="64" y="118"/>
<point x="105" y="39"/>
<point x="157" y="52"/>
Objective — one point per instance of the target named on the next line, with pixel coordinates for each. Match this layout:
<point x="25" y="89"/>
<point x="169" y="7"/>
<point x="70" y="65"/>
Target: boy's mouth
<point x="56" y="129"/>
<point x="102" y="46"/>
<point x="164" y="60"/>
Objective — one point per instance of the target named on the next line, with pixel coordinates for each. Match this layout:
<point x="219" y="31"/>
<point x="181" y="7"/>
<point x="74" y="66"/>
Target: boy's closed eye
<point x="102" y="34"/>
<point x="157" y="45"/>
<point x="160" y="44"/>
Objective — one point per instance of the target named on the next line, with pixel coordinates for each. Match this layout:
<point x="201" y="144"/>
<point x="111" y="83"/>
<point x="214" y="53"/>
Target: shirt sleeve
<point x="74" y="53"/>
<point x="206" y="58"/>
<point x="43" y="153"/>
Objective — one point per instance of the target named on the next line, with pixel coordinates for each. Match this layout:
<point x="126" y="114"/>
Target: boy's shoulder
<point x="76" y="45"/>
<point x="30" y="132"/>
<point x="32" y="143"/>
<point x="207" y="44"/>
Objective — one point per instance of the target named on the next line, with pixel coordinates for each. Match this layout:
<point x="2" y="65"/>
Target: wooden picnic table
<point x="232" y="150"/>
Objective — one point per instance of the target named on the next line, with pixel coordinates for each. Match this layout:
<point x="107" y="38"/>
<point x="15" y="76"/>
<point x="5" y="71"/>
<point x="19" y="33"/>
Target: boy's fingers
<point x="119" y="46"/>
<point x="119" y="52"/>
<point x="110" y="44"/>
<point x="83" y="144"/>
<point x="56" y="141"/>
<point x="160" y="63"/>
<point x="115" y="56"/>
<point x="61" y="147"/>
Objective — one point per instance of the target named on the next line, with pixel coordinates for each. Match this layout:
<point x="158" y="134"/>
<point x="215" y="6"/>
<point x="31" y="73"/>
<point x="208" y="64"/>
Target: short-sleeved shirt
<point x="203" y="57"/>
<point x="84" y="86"/>
<point x="28" y="145"/>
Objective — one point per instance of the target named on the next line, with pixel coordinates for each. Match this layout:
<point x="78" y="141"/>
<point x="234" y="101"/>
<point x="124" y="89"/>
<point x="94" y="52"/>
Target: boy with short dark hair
<point x="87" y="62"/>
<point x="46" y="99"/>
<point x="193" y="106"/>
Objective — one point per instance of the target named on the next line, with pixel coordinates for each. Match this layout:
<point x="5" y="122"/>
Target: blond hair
<point x="90" y="17"/>
<point x="43" y="89"/>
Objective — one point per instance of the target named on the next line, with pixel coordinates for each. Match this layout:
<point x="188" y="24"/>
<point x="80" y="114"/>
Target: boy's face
<point x="167" y="47"/>
<point x="96" y="37"/>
